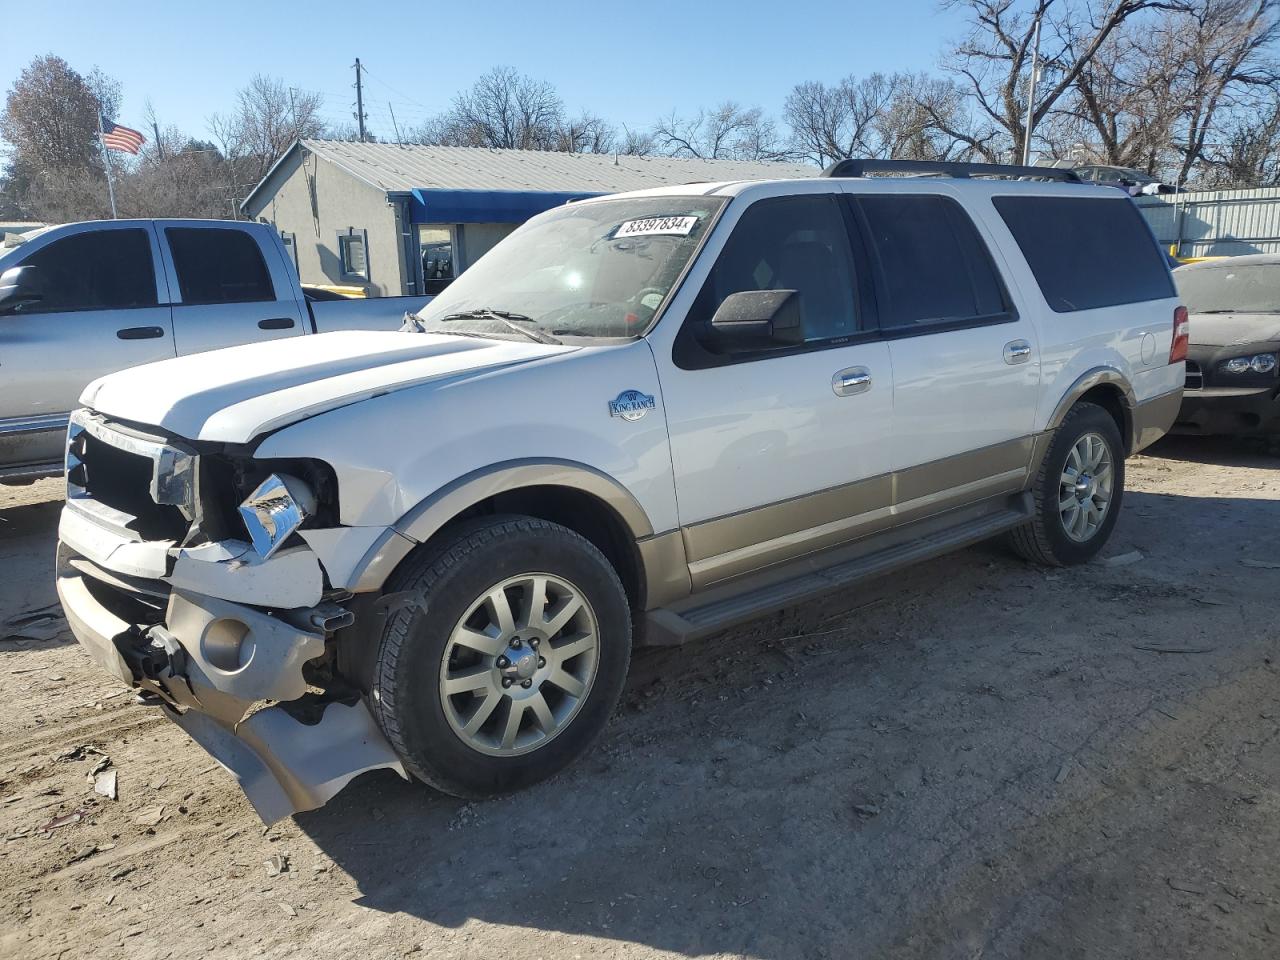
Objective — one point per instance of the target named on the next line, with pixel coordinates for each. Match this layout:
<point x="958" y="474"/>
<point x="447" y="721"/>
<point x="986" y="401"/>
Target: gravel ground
<point x="973" y="758"/>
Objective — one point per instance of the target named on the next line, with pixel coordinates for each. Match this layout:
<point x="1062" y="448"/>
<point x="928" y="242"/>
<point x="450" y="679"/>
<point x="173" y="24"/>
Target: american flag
<point x="116" y="137"/>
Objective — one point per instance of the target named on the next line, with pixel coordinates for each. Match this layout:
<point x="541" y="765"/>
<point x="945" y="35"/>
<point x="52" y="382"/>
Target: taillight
<point x="1181" y="335"/>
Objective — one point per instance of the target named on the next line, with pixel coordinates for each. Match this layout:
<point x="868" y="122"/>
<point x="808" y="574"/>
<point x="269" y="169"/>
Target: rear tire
<point x="507" y="658"/>
<point x="1078" y="491"/>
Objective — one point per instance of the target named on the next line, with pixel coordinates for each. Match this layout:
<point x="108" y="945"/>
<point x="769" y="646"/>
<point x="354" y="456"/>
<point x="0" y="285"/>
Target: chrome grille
<point x="139" y="482"/>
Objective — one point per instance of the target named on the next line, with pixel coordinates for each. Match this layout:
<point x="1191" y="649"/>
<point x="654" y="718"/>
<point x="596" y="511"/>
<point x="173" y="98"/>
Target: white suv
<point x="639" y="419"/>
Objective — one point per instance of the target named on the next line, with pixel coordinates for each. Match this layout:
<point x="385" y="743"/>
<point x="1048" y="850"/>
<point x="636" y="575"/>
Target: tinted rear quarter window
<point x="1087" y="252"/>
<point x="96" y="270"/>
<point x="932" y="265"/>
<point x="217" y="265"/>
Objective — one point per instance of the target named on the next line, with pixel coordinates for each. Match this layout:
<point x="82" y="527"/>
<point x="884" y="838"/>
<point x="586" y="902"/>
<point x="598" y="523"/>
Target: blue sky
<point x="627" y="61"/>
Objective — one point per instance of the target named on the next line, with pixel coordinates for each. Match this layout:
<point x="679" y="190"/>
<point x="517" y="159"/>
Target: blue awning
<point x="485" y="206"/>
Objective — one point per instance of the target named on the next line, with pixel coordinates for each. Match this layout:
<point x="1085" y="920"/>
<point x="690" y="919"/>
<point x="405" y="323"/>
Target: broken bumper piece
<point x="228" y="674"/>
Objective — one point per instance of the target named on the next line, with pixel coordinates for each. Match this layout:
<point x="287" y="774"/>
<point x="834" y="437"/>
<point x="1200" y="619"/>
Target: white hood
<point x="239" y="393"/>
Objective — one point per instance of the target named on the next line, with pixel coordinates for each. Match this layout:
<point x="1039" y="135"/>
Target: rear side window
<point x="1087" y="252"/>
<point x="790" y="243"/>
<point x="932" y="267"/>
<point x="99" y="270"/>
<point x="218" y="266"/>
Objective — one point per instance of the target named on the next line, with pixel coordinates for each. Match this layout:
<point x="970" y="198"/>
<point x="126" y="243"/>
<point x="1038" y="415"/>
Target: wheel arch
<point x="1108" y="388"/>
<point x="571" y="494"/>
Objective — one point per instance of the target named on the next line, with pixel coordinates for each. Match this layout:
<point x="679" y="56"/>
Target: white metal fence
<point x="1219" y="223"/>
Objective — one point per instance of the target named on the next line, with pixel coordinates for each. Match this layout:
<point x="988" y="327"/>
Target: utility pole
<point x="155" y="128"/>
<point x="1031" y="94"/>
<point x="359" y="101"/>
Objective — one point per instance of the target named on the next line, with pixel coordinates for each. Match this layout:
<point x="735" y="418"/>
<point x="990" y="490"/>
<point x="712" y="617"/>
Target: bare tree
<point x="1229" y="62"/>
<point x="586" y="133"/>
<point x="993" y="62"/>
<point x="1122" y="108"/>
<point x="635" y="143"/>
<point x="268" y="118"/>
<point x="1166" y="86"/>
<point x="728" y="131"/>
<point x="903" y="116"/>
<point x="1248" y="154"/>
<point x="504" y="109"/>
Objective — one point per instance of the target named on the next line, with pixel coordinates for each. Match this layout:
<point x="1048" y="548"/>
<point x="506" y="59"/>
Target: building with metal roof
<point x="405" y="219"/>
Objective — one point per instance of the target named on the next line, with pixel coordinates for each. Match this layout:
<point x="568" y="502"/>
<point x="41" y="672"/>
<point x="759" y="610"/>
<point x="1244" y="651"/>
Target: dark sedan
<point x="1233" y="368"/>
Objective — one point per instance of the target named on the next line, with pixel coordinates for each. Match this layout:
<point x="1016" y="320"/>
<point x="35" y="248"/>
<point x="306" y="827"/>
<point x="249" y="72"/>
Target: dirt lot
<point x="977" y="758"/>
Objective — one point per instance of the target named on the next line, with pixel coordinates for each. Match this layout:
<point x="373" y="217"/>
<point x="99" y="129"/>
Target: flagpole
<point x="106" y="163"/>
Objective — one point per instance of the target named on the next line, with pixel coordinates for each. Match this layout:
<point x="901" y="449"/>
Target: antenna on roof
<point x="395" y="126"/>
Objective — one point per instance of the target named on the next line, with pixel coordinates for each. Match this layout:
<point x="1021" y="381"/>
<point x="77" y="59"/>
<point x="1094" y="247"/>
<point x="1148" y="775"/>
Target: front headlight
<point x="1261" y="363"/>
<point x="275" y="510"/>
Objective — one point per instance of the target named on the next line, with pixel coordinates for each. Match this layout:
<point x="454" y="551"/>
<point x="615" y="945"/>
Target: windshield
<point x="597" y="269"/>
<point x="1242" y="288"/>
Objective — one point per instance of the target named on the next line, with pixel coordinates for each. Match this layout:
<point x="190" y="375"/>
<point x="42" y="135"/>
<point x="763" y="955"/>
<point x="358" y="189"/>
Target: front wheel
<point x="1077" y="491"/>
<point x="508" y="662"/>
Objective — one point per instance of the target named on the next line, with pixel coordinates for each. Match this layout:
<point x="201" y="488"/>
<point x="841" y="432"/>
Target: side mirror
<point x="756" y="319"/>
<point x="20" y="286"/>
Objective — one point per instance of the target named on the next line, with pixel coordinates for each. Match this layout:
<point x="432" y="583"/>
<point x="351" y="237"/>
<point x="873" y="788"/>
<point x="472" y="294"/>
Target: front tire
<point x="1077" y="491"/>
<point x="507" y="658"/>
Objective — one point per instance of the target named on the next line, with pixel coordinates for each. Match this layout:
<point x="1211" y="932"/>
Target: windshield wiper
<point x="513" y="320"/>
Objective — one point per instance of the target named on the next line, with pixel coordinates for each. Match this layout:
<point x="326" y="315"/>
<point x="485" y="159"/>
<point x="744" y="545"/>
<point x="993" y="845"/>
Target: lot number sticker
<point x="656" y="227"/>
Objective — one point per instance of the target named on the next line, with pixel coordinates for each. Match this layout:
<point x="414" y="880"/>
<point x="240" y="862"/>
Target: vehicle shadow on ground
<point x="1225" y="451"/>
<point x="29" y="614"/>
<point x="818" y="783"/>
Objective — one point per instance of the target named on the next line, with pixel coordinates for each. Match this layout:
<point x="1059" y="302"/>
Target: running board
<point x="825" y="573"/>
<point x="28" y="473"/>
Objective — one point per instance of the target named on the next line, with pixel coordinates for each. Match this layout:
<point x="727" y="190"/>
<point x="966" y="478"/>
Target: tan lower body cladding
<point x="737" y="544"/>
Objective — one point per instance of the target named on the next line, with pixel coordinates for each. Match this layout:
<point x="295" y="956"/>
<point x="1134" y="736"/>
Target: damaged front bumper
<point x="237" y="649"/>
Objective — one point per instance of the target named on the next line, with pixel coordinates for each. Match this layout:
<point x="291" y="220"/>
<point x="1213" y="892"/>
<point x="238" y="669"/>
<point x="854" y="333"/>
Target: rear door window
<point x="1087" y="252"/>
<point x="932" y="267"/>
<point x="217" y="265"/>
<point x="97" y="270"/>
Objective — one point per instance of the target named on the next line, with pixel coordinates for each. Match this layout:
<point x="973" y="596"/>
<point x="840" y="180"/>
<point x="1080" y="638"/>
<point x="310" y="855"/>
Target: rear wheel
<point x="1077" y="491"/>
<point x="508" y="660"/>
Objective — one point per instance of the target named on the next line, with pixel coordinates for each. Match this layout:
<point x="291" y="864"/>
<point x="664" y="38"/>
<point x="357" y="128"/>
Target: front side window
<point x="932" y="266"/>
<point x="98" y="270"/>
<point x="796" y="243"/>
<point x="593" y="269"/>
<point x="1087" y="252"/>
<point x="217" y="265"/>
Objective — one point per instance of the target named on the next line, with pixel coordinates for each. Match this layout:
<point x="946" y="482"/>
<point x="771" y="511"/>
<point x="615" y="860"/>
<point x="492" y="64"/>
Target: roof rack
<point x="948" y="168"/>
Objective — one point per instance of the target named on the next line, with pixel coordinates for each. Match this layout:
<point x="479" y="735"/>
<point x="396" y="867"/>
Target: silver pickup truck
<point x="86" y="299"/>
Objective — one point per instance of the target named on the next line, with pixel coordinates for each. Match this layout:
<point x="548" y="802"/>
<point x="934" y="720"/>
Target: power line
<point x="403" y="96"/>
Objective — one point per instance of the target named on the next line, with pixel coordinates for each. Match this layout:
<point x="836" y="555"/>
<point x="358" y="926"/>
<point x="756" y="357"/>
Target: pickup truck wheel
<point x="506" y="659"/>
<point x="1077" y="491"/>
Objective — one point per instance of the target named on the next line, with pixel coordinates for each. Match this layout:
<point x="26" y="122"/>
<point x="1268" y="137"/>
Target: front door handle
<point x="140" y="333"/>
<point x="276" y="323"/>
<point x="1017" y="351"/>
<point x="851" y="381"/>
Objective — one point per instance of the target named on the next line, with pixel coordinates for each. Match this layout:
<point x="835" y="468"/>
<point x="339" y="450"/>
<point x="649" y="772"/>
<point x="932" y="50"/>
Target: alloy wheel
<point x="1085" y="489"/>
<point x="519" y="664"/>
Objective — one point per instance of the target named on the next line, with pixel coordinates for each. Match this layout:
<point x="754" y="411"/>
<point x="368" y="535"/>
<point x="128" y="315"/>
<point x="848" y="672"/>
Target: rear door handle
<point x="140" y="333"/>
<point x="851" y="381"/>
<point x="1017" y="351"/>
<point x="276" y="323"/>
